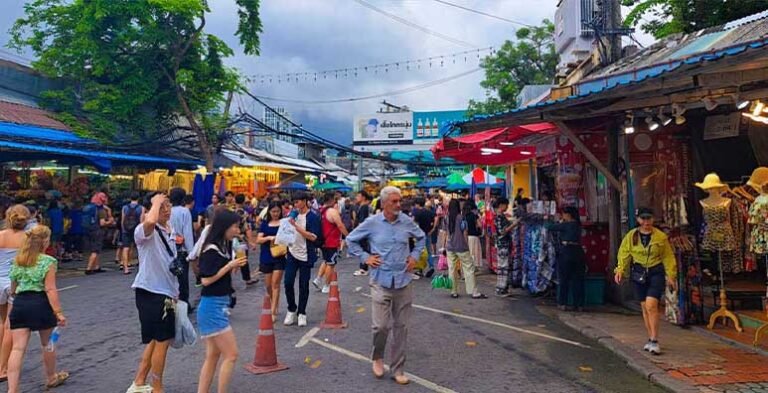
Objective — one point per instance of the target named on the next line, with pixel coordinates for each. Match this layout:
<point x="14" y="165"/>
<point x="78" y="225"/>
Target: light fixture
<point x="709" y="103"/>
<point x="629" y="126"/>
<point x="489" y="150"/>
<point x="653" y="125"/>
<point x="740" y="104"/>
<point x="677" y="111"/>
<point x="507" y="143"/>
<point x="485" y="153"/>
<point x="757" y="108"/>
<point x="664" y="119"/>
<point x="526" y="153"/>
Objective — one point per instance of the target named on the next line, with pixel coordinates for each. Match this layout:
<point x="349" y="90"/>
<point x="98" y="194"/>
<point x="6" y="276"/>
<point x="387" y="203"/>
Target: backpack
<point x="320" y="241"/>
<point x="132" y="217"/>
<point x="90" y="217"/>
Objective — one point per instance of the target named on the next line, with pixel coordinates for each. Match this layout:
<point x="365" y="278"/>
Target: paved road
<point x="511" y="347"/>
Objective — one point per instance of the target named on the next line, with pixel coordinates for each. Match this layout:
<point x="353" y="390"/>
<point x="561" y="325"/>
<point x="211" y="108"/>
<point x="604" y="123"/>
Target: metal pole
<point x="360" y="173"/>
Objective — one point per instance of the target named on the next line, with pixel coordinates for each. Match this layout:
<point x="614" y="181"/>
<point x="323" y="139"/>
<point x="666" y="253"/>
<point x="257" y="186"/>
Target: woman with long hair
<point x="11" y="240"/>
<point x="36" y="306"/>
<point x="458" y="253"/>
<point x="503" y="237"/>
<point x="474" y="232"/>
<point x="216" y="265"/>
<point x="570" y="260"/>
<point x="272" y="267"/>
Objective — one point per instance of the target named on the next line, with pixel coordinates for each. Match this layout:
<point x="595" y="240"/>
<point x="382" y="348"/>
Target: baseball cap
<point x="644" y="212"/>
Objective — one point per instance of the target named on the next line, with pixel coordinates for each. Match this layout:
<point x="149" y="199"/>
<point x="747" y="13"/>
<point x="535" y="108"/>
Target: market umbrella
<point x="333" y="186"/>
<point x="478" y="175"/>
<point x="456" y="178"/>
<point x="290" y="186"/>
<point x="434" y="183"/>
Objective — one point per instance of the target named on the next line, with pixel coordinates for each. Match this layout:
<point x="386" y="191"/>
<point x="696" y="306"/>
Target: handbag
<point x="278" y="250"/>
<point x="639" y="274"/>
<point x="442" y="262"/>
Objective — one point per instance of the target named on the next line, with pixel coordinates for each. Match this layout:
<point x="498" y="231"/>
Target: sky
<point x="315" y="35"/>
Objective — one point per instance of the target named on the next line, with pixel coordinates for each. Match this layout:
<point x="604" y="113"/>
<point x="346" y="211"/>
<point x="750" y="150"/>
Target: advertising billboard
<point x="429" y="127"/>
<point x="383" y="129"/>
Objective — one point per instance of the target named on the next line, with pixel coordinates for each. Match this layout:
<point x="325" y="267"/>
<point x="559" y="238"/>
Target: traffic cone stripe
<point x="266" y="332"/>
<point x="333" y="299"/>
<point x="265" y="359"/>
<point x="334" y="283"/>
<point x="333" y="310"/>
<point x="266" y="312"/>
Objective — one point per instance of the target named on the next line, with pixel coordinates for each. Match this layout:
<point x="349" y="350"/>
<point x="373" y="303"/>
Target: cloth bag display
<point x="286" y="233"/>
<point x="185" y="332"/>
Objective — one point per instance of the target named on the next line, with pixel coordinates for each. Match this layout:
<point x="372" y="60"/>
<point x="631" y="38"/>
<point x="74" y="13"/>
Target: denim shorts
<point x="213" y="315"/>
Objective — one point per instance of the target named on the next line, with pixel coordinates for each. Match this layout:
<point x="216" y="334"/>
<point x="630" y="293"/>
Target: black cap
<point x="644" y="212"/>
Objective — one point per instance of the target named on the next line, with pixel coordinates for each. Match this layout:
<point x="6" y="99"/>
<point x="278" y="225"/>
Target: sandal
<point x="58" y="379"/>
<point x="455" y="295"/>
<point x="479" y="296"/>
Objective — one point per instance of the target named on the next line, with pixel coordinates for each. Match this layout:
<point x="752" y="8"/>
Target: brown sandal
<point x="58" y="379"/>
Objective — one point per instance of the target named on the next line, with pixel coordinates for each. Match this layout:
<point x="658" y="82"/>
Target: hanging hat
<point x="759" y="178"/>
<point x="712" y="180"/>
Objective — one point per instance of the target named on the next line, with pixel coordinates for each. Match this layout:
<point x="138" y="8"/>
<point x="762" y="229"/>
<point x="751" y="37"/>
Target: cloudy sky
<point x="316" y="35"/>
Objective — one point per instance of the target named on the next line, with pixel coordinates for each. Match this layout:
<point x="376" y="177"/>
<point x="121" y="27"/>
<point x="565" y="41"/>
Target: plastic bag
<point x="442" y="262"/>
<point x="442" y="281"/>
<point x="185" y="332"/>
<point x="286" y="233"/>
<point x="423" y="260"/>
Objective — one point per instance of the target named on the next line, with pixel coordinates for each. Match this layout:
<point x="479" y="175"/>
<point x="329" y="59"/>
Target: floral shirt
<point x="32" y="278"/>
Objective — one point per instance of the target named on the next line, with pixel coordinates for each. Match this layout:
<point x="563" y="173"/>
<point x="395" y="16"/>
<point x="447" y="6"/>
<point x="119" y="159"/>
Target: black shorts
<point x="31" y="310"/>
<point x="93" y="241"/>
<point x="126" y="239"/>
<point x="330" y="256"/>
<point x="158" y="322"/>
<point x="654" y="286"/>
<point x="268" y="268"/>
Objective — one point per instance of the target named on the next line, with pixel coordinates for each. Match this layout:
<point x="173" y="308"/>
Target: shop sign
<point x="429" y="127"/>
<point x="383" y="129"/>
<point x="722" y="126"/>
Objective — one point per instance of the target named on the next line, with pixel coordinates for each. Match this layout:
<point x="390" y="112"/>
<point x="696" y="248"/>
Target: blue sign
<point x="429" y="127"/>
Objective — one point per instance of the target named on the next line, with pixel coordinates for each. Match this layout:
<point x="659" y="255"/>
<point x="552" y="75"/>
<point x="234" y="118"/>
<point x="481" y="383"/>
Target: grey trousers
<point x="391" y="309"/>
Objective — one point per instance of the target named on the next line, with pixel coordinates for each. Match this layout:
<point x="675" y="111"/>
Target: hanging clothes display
<point x="758" y="217"/>
<point x="718" y="234"/>
<point x="202" y="190"/>
<point x="538" y="256"/>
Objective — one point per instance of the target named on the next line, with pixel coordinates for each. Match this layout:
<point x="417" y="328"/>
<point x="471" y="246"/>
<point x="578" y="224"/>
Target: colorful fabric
<point x="758" y="217"/>
<point x="32" y="278"/>
<point x="718" y="235"/>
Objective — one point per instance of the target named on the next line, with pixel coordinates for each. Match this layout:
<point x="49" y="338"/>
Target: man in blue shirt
<point x="391" y="262"/>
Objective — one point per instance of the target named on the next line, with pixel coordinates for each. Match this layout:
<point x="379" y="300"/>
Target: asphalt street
<point x="459" y="345"/>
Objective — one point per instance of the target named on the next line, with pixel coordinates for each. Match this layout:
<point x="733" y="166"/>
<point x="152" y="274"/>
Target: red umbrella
<point x="497" y="146"/>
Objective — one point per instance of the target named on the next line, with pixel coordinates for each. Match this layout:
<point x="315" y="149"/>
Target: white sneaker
<point x="360" y="272"/>
<point x="326" y="288"/>
<point x="316" y="283"/>
<point x="302" y="320"/>
<point x="647" y="346"/>
<point x="654" y="348"/>
<point x="139" y="389"/>
<point x="415" y="276"/>
<point x="290" y="319"/>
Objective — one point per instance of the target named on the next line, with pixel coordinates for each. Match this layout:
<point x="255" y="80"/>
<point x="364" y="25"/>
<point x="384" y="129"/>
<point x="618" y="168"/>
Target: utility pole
<point x="609" y="29"/>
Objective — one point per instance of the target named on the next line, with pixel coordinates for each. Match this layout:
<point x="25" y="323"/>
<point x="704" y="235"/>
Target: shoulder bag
<point x="277" y="250"/>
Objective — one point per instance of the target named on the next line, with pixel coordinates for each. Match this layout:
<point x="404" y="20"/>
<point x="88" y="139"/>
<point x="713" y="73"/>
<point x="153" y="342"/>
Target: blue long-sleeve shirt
<point x="181" y="221"/>
<point x="389" y="240"/>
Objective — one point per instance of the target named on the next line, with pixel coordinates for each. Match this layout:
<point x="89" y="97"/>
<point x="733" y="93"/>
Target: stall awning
<point x="498" y="146"/>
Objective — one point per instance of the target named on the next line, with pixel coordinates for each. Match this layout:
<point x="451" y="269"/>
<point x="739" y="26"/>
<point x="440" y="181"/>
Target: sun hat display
<point x="759" y="178"/>
<point x="712" y="180"/>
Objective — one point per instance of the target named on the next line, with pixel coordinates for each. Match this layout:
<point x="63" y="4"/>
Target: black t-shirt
<point x="425" y="219"/>
<point x="645" y="239"/>
<point x="362" y="213"/>
<point x="472" y="228"/>
<point x="210" y="263"/>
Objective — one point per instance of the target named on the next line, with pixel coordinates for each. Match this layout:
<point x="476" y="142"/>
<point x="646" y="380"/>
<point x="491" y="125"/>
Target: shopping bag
<point x="423" y="260"/>
<point x="442" y="262"/>
<point x="185" y="332"/>
<point x="286" y="233"/>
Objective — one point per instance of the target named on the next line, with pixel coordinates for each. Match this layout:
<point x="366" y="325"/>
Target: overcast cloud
<point x="315" y="35"/>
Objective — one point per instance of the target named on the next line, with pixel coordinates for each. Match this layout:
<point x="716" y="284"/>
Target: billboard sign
<point x="429" y="127"/>
<point x="383" y="129"/>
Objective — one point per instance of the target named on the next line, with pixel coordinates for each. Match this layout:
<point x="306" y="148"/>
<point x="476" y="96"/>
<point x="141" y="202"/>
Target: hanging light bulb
<point x="653" y="125"/>
<point x="629" y="127"/>
<point x="710" y="103"/>
<point x="677" y="111"/>
<point x="664" y="119"/>
<point x="740" y="103"/>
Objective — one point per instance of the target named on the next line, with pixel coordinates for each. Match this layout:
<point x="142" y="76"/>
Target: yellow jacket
<point x="658" y="251"/>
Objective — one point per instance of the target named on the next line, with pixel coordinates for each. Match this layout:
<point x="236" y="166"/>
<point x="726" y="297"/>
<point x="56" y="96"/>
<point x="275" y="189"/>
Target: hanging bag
<point x="442" y="262"/>
<point x="286" y="233"/>
<point x="278" y="250"/>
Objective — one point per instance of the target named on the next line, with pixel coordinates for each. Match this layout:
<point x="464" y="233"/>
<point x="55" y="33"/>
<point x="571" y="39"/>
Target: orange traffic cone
<point x="333" y="310"/>
<point x="265" y="360"/>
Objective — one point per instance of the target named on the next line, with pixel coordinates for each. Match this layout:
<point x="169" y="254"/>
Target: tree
<point x="137" y="67"/>
<point x="687" y="16"/>
<point x="531" y="60"/>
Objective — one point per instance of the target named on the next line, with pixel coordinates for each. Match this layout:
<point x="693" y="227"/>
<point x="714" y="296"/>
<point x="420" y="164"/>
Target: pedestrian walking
<point x="302" y="255"/>
<point x="571" y="268"/>
<point x="215" y="202"/>
<point x="427" y="221"/>
<point x="132" y="215"/>
<point x="474" y="232"/>
<point x="333" y="229"/>
<point x="458" y="253"/>
<point x="246" y="236"/>
<point x="36" y="307"/>
<point x="646" y="255"/>
<point x="56" y="219"/>
<point x="503" y="244"/>
<point x="157" y="290"/>
<point x="272" y="266"/>
<point x="216" y="265"/>
<point x="363" y="212"/>
<point x="11" y="240"/>
<point x="391" y="262"/>
<point x="95" y="221"/>
<point x="181" y="222"/>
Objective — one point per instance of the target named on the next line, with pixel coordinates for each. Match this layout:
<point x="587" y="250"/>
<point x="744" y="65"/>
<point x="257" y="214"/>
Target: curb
<point x="634" y="359"/>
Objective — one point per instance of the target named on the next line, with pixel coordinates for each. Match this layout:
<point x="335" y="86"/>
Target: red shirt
<point x="331" y="232"/>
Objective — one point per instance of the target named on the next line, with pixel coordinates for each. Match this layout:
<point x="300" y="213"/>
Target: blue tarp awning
<point x="37" y="143"/>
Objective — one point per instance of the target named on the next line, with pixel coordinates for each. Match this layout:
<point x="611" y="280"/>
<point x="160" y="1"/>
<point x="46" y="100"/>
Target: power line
<point x="414" y="25"/>
<point x="370" y="97"/>
<point x="482" y="13"/>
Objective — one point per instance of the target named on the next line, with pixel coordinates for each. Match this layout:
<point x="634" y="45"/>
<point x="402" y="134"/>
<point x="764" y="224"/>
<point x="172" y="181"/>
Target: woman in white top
<point x="11" y="240"/>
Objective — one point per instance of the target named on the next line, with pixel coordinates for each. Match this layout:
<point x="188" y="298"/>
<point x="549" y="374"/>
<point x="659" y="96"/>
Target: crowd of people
<point x="395" y="239"/>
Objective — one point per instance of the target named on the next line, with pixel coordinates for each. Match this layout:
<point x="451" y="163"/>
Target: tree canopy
<point x="664" y="17"/>
<point x="530" y="60"/>
<point x="136" y="66"/>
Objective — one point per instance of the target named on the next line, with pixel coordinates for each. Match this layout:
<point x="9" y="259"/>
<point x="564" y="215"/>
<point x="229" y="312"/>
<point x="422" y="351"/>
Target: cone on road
<point x="333" y="310"/>
<point x="265" y="360"/>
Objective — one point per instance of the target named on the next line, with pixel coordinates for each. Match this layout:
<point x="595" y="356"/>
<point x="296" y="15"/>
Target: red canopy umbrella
<point x="492" y="147"/>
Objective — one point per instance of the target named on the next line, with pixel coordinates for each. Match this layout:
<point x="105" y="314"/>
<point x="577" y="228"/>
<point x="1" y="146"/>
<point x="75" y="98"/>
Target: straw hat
<point x="759" y="178"/>
<point x="712" y="180"/>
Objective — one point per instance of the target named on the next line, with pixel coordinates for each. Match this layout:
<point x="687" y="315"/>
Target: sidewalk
<point x="692" y="360"/>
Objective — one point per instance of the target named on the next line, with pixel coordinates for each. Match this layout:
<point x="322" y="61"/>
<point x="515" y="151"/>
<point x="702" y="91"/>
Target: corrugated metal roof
<point x="22" y="114"/>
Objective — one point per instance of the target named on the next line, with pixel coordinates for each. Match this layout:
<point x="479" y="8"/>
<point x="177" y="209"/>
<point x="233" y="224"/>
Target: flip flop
<point x="58" y="379"/>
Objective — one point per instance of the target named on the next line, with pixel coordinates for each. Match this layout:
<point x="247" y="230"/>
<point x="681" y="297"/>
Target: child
<point x="36" y="306"/>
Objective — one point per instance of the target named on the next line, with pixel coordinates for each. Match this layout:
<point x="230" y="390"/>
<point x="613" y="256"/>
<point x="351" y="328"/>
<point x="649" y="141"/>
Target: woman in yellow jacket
<point x="646" y="257"/>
